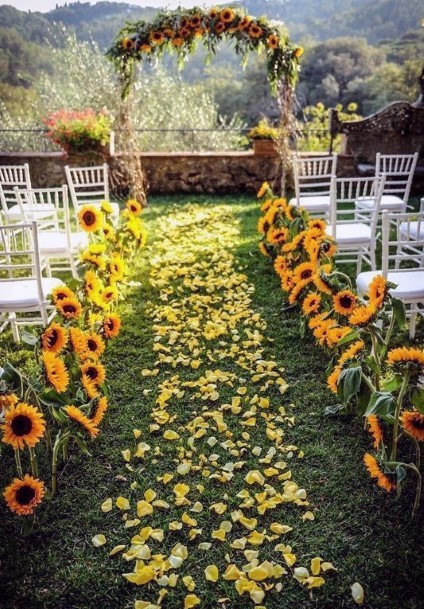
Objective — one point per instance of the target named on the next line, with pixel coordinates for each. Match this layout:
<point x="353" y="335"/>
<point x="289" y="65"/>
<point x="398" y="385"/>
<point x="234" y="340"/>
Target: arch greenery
<point x="180" y="31"/>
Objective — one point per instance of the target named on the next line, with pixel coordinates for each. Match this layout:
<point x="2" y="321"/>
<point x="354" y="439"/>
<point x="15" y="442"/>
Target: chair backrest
<point x="47" y="206"/>
<point x="405" y="244"/>
<point x="11" y="177"/>
<point x="312" y="175"/>
<point x="88" y="185"/>
<point x="399" y="170"/>
<point x="346" y="191"/>
<point x="19" y="254"/>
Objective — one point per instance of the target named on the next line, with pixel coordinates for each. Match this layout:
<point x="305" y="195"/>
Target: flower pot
<point x="265" y="147"/>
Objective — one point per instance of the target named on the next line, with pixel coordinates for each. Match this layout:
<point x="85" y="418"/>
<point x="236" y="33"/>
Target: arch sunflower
<point x="180" y="31"/>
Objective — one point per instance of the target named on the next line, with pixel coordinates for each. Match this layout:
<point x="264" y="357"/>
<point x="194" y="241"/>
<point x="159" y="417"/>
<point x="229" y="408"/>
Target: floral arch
<point x="181" y="30"/>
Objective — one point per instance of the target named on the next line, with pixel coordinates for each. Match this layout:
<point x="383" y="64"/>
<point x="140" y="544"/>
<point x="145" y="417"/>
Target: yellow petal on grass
<point x="280" y="529"/>
<point x="143" y="575"/>
<point x="191" y="600"/>
<point x="255" y="477"/>
<point x="258" y="573"/>
<point x="122" y="503"/>
<point x="116" y="550"/>
<point x="189" y="583"/>
<point x="314" y="582"/>
<point x="316" y="565"/>
<point x="106" y="505"/>
<point x="126" y="454"/>
<point x="357" y="593"/>
<point x="327" y="566"/>
<point x="308" y="516"/>
<point x="150" y="495"/>
<point x="212" y="573"/>
<point x="98" y="540"/>
<point x="169" y="434"/>
<point x="144" y="508"/>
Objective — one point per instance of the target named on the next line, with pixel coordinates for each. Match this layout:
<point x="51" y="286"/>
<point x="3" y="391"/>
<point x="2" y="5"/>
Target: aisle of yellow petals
<point x="210" y="486"/>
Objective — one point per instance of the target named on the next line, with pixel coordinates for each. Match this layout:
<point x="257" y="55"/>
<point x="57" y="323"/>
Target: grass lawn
<point x="364" y="532"/>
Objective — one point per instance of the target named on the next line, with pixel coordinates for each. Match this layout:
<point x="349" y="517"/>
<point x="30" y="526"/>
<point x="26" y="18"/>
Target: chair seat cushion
<point x="41" y="210"/>
<point x="410" y="284"/>
<point x="350" y="234"/>
<point x="312" y="203"/>
<point x="54" y="242"/>
<point x="413" y="230"/>
<point x="22" y="295"/>
<point x="388" y="202"/>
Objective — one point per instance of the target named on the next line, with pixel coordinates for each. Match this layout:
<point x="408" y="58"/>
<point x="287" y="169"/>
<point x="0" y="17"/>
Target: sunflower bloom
<point x="280" y="265"/>
<point x="344" y="302"/>
<point x="311" y="303"/>
<point x="56" y="372"/>
<point x="24" y="425"/>
<point x="226" y="15"/>
<point x="90" y="218"/>
<point x="362" y="316"/>
<point x="54" y="338"/>
<point x="255" y="31"/>
<point x="321" y="284"/>
<point x="377" y="291"/>
<point x="61" y="293"/>
<point x="77" y="415"/>
<point x="333" y="379"/>
<point x="351" y="352"/>
<point x="277" y="235"/>
<point x="263" y="249"/>
<point x="91" y="282"/>
<point x="94" y="371"/>
<point x="297" y="289"/>
<point x="134" y="207"/>
<point x="95" y="260"/>
<point x="335" y="335"/>
<point x="100" y="411"/>
<point x="70" y="308"/>
<point x="413" y="423"/>
<point x="375" y="430"/>
<point x="404" y="358"/>
<point x="93" y="346"/>
<point x="321" y="331"/>
<point x="106" y="207"/>
<point x="7" y="400"/>
<point x="109" y="294"/>
<point x="375" y="471"/>
<point x="23" y="496"/>
<point x="77" y="340"/>
<point x="273" y="41"/>
<point x="304" y="271"/>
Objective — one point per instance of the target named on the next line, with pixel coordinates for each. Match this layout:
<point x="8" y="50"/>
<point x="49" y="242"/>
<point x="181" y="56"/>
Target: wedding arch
<point x="180" y="31"/>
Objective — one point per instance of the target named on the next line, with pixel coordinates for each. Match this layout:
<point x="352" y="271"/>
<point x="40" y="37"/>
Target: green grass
<point x="364" y="532"/>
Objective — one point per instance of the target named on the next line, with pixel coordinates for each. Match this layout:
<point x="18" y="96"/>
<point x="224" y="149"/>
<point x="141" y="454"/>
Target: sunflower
<point x="297" y="289"/>
<point x="322" y="284"/>
<point x="156" y="37"/>
<point x="106" y="207"/>
<point x="97" y="248"/>
<point x="23" y="496"/>
<point x="24" y="425"/>
<point x="262" y="225"/>
<point x="377" y="290"/>
<point x="108" y="231"/>
<point x="195" y="21"/>
<point x="277" y="235"/>
<point x="263" y="190"/>
<point x="298" y="52"/>
<point x="297" y="241"/>
<point x="312" y="234"/>
<point x="75" y="414"/>
<point x="109" y="294"/>
<point x="304" y="271"/>
<point x="177" y="41"/>
<point x="311" y="303"/>
<point x="94" y="371"/>
<point x="333" y="379"/>
<point x="100" y="411"/>
<point x="255" y="31"/>
<point x="227" y="15"/>
<point x="117" y="267"/>
<point x="62" y="292"/>
<point x="318" y="224"/>
<point x="263" y="249"/>
<point x="69" y="308"/>
<point x="351" y="352"/>
<point x="213" y="13"/>
<point x="219" y="27"/>
<point x="146" y="48"/>
<point x="328" y="248"/>
<point x="375" y="430"/>
<point x="54" y="338"/>
<point x="273" y="41"/>
<point x="91" y="282"/>
<point x="127" y="44"/>
<point x="280" y="265"/>
<point x="245" y="23"/>
<point x="266" y="205"/>
<point x="77" y="340"/>
<point x="404" y="358"/>
<point x="374" y="470"/>
<point x="134" y="207"/>
<point x="7" y="400"/>
<point x="362" y="316"/>
<point x="271" y="214"/>
<point x="344" y="302"/>
<point x="287" y="281"/>
<point x="335" y="335"/>
<point x="413" y="423"/>
<point x="97" y="261"/>
<point x="321" y="331"/>
<point x="93" y="346"/>
<point x="56" y="372"/>
<point x="90" y="218"/>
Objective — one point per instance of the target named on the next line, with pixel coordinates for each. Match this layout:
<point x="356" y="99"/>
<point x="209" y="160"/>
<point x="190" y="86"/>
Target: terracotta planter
<point x="265" y="148"/>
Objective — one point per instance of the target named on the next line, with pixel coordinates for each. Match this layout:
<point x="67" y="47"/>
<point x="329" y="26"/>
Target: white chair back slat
<point x="88" y="185"/>
<point x="347" y="191"/>
<point x="402" y="241"/>
<point x="11" y="177"/>
<point x="312" y="175"/>
<point x="399" y="170"/>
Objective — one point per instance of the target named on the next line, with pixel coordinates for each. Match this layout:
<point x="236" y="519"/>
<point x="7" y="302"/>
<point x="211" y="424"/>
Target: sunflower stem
<point x="368" y="382"/>
<point x="18" y="463"/>
<point x="56" y="448"/>
<point x="349" y="282"/>
<point x="397" y="413"/>
<point x="33" y="461"/>
<point x="388" y="337"/>
<point x="374" y="353"/>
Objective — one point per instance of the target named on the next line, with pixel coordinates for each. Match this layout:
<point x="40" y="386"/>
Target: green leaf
<point x="394" y="383"/>
<point x="50" y="397"/>
<point x="372" y="364"/>
<point x="382" y="403"/>
<point x="82" y="445"/>
<point x="417" y="399"/>
<point x="349" y="338"/>
<point x="334" y="410"/>
<point x="349" y="383"/>
<point x="399" y="312"/>
<point x="28" y="338"/>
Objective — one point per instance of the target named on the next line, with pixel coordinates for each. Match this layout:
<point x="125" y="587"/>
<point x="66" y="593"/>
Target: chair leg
<point x="359" y="263"/>
<point x="14" y="326"/>
<point x="73" y="266"/>
<point x="412" y="325"/>
<point x="372" y="259"/>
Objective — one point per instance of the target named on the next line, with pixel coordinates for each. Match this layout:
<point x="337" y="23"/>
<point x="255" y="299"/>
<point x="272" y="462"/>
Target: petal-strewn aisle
<point x="212" y="505"/>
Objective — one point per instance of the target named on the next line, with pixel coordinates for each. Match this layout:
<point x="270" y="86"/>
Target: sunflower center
<point x="91" y="344"/>
<point x="69" y="308"/>
<point x="306" y="274"/>
<point x="21" y="425"/>
<point x="25" y="495"/>
<point x="89" y="218"/>
<point x="346" y="301"/>
<point x="92" y="373"/>
<point x="418" y="423"/>
<point x="52" y="340"/>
